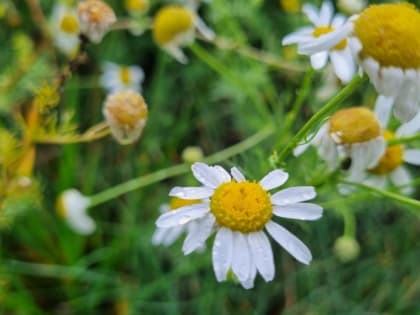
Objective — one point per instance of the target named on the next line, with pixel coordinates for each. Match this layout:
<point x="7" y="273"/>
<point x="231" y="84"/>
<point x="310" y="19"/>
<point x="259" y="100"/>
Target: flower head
<point x="117" y="78"/>
<point x="95" y="18"/>
<point x="174" y="27"/>
<point x="126" y="114"/>
<point x="65" y="29"/>
<point x="239" y="211"/>
<point x="136" y="6"/>
<point x="325" y="23"/>
<point x="72" y="206"/>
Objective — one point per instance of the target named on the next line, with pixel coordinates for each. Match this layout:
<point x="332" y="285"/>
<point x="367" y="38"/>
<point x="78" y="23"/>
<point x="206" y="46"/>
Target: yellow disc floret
<point x="178" y="203"/>
<point x="69" y="24"/>
<point x="392" y="158"/>
<point x="355" y="124"/>
<point x="125" y="75"/>
<point x="389" y="33"/>
<point x="170" y="22"/>
<point x="322" y="30"/>
<point x="241" y="206"/>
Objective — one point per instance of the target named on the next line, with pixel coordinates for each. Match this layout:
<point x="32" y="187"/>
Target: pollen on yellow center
<point x="178" y="203"/>
<point x="125" y="75"/>
<point x="389" y="33"/>
<point x="241" y="206"/>
<point x="392" y="158"/>
<point x="322" y="30"/>
<point x="355" y="124"/>
<point x="69" y="24"/>
<point x="170" y="22"/>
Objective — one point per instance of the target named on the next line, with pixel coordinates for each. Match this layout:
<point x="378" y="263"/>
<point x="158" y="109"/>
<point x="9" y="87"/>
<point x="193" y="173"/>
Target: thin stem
<point x="320" y="115"/>
<point x="179" y="169"/>
<point x="349" y="224"/>
<point x="98" y="131"/>
<point x="404" y="139"/>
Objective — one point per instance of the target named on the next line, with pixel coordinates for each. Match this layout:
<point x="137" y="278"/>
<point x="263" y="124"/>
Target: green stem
<point x="142" y="181"/>
<point x="349" y="224"/>
<point x="320" y="115"/>
<point x="404" y="139"/>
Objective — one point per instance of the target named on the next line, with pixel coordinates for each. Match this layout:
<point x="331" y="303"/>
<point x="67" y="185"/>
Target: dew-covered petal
<point x="289" y="242"/>
<point x="319" y="60"/>
<point x="274" y="179"/>
<point x="299" y="211"/>
<point x="237" y="174"/>
<point x="172" y="235"/>
<point x="412" y="156"/>
<point x="410" y="127"/>
<point x="210" y="176"/>
<point x="249" y="283"/>
<point x="182" y="215"/>
<point x="293" y="195"/>
<point x="365" y="155"/>
<point x="241" y="260"/>
<point x="198" y="235"/>
<point x="191" y="192"/>
<point x="262" y="254"/>
<point x="222" y="253"/>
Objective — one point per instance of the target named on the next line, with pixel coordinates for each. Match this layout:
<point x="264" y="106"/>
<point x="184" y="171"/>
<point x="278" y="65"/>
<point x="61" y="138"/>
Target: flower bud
<point x="192" y="154"/>
<point x="346" y="248"/>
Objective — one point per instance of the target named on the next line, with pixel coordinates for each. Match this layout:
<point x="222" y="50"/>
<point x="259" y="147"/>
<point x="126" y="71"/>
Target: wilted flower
<point x="95" y="18"/>
<point x="65" y="29"/>
<point x="116" y="77"/>
<point x="325" y="22"/>
<point x="239" y="211"/>
<point x="174" y="27"/>
<point x="126" y="115"/>
<point x="72" y="206"/>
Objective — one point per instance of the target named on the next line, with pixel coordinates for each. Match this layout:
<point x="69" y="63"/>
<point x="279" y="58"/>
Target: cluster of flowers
<point x="382" y="41"/>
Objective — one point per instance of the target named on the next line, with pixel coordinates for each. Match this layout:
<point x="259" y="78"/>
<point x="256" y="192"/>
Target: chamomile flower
<point x="167" y="236"/>
<point x="65" y="29"/>
<point x="174" y="27"/>
<point x="72" y="206"/>
<point x="354" y="133"/>
<point x="241" y="212"/>
<point x="117" y="77"/>
<point x="126" y="114"/>
<point x="385" y="39"/>
<point x="324" y="23"/>
<point x="390" y="167"/>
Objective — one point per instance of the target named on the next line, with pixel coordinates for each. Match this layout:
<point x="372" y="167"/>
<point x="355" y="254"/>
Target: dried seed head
<point x="95" y="18"/>
<point x="126" y="114"/>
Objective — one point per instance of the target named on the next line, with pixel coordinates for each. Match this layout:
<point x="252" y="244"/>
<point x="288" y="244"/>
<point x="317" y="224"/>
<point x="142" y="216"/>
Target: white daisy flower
<point x="167" y="236"/>
<point x="174" y="27"/>
<point x="72" y="206"/>
<point x="390" y="167"/>
<point x="385" y="39"/>
<point x="239" y="211"/>
<point x="117" y="77"/>
<point x="65" y="29"/>
<point x="353" y="133"/>
<point x="324" y="23"/>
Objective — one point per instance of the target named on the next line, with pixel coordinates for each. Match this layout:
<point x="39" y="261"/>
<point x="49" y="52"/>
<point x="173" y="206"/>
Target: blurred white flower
<point x="72" y="206"/>
<point x="239" y="211"/>
<point x="118" y="77"/>
<point x="65" y="29"/>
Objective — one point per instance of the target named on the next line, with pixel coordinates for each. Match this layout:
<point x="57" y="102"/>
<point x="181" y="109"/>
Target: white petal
<point x="390" y="82"/>
<point x="319" y="60"/>
<point x="182" y="215"/>
<point x="289" y="242"/>
<point x="328" y="151"/>
<point x="249" y="283"/>
<point x="293" y="194"/>
<point x="383" y="107"/>
<point x="211" y="176"/>
<point x="326" y="13"/>
<point x="338" y="20"/>
<point x="378" y="181"/>
<point x="401" y="177"/>
<point x="172" y="235"/>
<point x="371" y="68"/>
<point x="241" y="260"/>
<point x="412" y="156"/>
<point x="407" y="102"/>
<point x="206" y="31"/>
<point x="222" y="253"/>
<point x="176" y="53"/>
<point x="301" y="35"/>
<point x="191" y="192"/>
<point x="237" y="175"/>
<point x="262" y="254"/>
<point x="159" y="235"/>
<point x="299" y="211"/>
<point x="82" y="223"/>
<point x="274" y="179"/>
<point x="312" y="13"/>
<point x="365" y="155"/>
<point x="409" y="128"/>
<point x="198" y="236"/>
<point x="343" y="63"/>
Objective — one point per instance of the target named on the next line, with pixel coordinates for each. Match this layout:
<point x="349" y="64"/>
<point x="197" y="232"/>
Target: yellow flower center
<point x="389" y="33"/>
<point x="69" y="24"/>
<point x="322" y="30"/>
<point x="355" y="124"/>
<point x="136" y="5"/>
<point x="243" y="206"/>
<point x="60" y="207"/>
<point x="170" y="22"/>
<point x="178" y="203"/>
<point x="290" y="6"/>
<point x="392" y="158"/>
<point x="125" y="75"/>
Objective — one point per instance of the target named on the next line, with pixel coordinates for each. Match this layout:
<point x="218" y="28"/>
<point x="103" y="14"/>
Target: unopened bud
<point x="192" y="154"/>
<point x="346" y="248"/>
